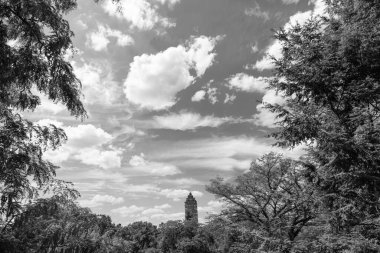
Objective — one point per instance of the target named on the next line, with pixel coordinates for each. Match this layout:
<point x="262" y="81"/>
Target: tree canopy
<point x="35" y="40"/>
<point x="273" y="197"/>
<point x="329" y="74"/>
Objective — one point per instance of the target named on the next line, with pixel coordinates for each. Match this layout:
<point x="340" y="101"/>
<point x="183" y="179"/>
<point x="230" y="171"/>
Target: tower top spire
<point x="191" y="209"/>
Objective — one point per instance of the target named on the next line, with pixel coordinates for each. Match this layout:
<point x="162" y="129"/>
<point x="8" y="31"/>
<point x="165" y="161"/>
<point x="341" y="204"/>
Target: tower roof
<point x="190" y="198"/>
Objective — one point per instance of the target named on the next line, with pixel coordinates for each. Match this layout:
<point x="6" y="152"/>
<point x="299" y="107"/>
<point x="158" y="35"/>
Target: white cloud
<point x="156" y="210"/>
<point x="255" y="47"/>
<point x="189" y="121"/>
<point x="99" y="200"/>
<point x="82" y="24"/>
<point x="99" y="41"/>
<point x="200" y="53"/>
<point x="151" y="189"/>
<point x="99" y="175"/>
<point x="212" y="95"/>
<point x="183" y="182"/>
<point x="171" y="3"/>
<point x="272" y="97"/>
<point x="221" y="153"/>
<point x="257" y="12"/>
<point x="98" y="85"/>
<point x="154" y="80"/>
<point x="168" y="216"/>
<point x="88" y="135"/>
<point x="157" y="213"/>
<point x="86" y="144"/>
<point x="244" y="82"/>
<point x="230" y="98"/>
<point x="103" y="158"/>
<point x="48" y="106"/>
<point x="140" y="164"/>
<point x="264" y="117"/>
<point x="127" y="210"/>
<point x="198" y="96"/>
<point x="140" y="14"/>
<point x="274" y="49"/>
<point x="212" y="207"/>
<point x="178" y="194"/>
<point x="141" y="188"/>
<point x="290" y="1"/>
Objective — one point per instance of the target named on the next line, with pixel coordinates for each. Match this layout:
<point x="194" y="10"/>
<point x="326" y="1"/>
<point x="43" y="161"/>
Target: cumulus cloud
<point x="98" y="84"/>
<point x="140" y="14"/>
<point x="274" y="50"/>
<point x="189" y="121"/>
<point x="86" y="144"/>
<point x="140" y="164"/>
<point x="99" y="40"/>
<point x="244" y="82"/>
<point x="198" y="96"/>
<point x="103" y="158"/>
<point x="264" y="117"/>
<point x="154" y="80"/>
<point x="99" y="200"/>
<point x="208" y="92"/>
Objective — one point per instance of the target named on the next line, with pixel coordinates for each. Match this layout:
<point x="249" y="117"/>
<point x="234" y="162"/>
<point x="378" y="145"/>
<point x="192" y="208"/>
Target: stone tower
<point x="191" y="209"/>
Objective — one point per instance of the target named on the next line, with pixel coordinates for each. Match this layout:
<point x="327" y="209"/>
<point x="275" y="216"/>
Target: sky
<point x="173" y="91"/>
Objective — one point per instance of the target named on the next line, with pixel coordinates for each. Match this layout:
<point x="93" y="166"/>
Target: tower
<point x="191" y="209"/>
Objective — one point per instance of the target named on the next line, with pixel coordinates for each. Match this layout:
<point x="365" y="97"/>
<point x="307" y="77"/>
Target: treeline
<point x="327" y="201"/>
<point x="273" y="207"/>
<point x="60" y="225"/>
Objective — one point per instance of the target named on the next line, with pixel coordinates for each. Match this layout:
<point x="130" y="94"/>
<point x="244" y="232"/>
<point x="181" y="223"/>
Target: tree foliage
<point x="329" y="73"/>
<point x="34" y="42"/>
<point x="59" y="225"/>
<point x="273" y="199"/>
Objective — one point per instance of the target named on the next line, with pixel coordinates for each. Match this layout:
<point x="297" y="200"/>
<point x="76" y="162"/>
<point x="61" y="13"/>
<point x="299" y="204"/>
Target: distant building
<point x="191" y="208"/>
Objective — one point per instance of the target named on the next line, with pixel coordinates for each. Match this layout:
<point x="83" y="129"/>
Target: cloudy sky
<point x="172" y="90"/>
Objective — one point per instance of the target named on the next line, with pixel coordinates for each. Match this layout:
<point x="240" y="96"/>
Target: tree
<point x="59" y="225"/>
<point x="143" y="235"/>
<point x="329" y="73"/>
<point x="170" y="233"/>
<point x="224" y="235"/>
<point x="34" y="41"/>
<point x="273" y="199"/>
